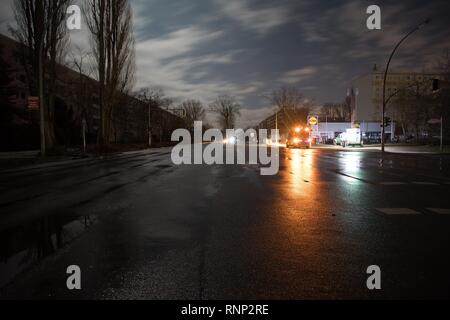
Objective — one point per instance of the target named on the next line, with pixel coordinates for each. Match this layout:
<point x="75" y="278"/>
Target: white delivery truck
<point x="352" y="137"/>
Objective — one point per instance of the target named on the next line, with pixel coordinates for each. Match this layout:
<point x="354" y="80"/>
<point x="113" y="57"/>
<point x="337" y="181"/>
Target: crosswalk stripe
<point x="398" y="211"/>
<point x="439" y="210"/>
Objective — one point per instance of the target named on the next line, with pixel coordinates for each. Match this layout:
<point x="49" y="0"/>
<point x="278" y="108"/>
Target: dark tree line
<point x="41" y="28"/>
<point x="414" y="106"/>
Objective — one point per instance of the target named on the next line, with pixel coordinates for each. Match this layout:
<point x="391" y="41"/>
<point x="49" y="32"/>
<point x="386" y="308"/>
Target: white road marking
<point x="398" y="211"/>
<point x="439" y="210"/>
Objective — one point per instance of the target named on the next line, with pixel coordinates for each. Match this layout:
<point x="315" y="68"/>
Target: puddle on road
<point x="23" y="246"/>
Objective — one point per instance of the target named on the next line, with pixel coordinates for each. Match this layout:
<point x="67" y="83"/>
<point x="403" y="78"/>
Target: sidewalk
<point x="404" y="149"/>
<point x="416" y="149"/>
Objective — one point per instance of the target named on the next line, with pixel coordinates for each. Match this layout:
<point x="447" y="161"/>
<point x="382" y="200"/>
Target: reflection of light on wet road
<point x="301" y="171"/>
<point x="351" y="162"/>
<point x="298" y="203"/>
<point x="349" y="166"/>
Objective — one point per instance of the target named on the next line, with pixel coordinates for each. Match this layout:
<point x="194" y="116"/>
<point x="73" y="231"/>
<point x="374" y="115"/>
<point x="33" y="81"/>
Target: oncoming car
<point x="299" y="138"/>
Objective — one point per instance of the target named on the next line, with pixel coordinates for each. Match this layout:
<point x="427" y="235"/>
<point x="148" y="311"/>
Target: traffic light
<point x="436" y="85"/>
<point x="387" y="122"/>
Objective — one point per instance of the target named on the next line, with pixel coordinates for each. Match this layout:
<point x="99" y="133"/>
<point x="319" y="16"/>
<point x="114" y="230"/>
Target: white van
<point x="352" y="137"/>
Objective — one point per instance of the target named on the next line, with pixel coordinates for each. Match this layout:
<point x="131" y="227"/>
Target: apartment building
<point x="77" y="99"/>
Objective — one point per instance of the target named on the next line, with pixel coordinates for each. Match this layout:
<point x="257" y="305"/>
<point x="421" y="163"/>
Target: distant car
<point x="371" y="137"/>
<point x="338" y="140"/>
<point x="299" y="138"/>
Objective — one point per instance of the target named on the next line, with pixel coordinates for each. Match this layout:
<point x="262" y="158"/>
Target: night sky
<point x="202" y="49"/>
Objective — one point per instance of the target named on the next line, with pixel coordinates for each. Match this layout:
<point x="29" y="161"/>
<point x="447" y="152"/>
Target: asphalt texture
<point x="140" y="227"/>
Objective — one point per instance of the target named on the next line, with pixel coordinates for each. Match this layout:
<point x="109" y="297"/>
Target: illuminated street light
<point x="383" y="111"/>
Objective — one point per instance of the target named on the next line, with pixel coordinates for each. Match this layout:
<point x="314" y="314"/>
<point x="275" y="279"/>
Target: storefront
<point x="326" y="132"/>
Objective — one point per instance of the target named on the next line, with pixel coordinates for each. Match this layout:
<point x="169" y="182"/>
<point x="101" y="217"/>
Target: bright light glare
<point x="296" y="140"/>
<point x="297" y="130"/>
<point x="351" y="162"/>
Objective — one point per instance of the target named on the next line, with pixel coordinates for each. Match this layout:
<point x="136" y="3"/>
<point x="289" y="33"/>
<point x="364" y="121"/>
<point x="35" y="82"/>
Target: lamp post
<point x="383" y="110"/>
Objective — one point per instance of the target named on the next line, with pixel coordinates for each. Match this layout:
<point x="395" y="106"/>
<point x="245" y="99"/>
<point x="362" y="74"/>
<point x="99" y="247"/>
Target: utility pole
<point x="383" y="110"/>
<point x="83" y="132"/>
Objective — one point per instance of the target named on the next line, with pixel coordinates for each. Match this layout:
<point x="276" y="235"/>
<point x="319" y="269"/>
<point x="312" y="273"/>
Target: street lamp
<point x="383" y="110"/>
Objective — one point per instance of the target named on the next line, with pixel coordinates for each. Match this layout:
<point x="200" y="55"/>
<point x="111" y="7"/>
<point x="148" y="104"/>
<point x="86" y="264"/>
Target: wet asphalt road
<point x="141" y="228"/>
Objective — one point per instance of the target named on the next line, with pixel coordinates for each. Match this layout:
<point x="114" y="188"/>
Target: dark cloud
<point x="200" y="49"/>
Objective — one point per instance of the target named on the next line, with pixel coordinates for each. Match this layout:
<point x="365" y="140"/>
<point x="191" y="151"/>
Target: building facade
<point x="76" y="101"/>
<point x="369" y="91"/>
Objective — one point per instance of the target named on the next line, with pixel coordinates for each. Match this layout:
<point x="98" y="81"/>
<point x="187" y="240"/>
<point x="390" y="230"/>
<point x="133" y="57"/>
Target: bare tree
<point x="413" y="106"/>
<point x="227" y="110"/>
<point x="402" y="111"/>
<point x="192" y="111"/>
<point x="327" y="110"/>
<point x="40" y="24"/>
<point x="156" y="97"/>
<point x="111" y="26"/>
<point x="337" y="111"/>
<point x="287" y="98"/>
<point x="81" y="62"/>
<point x="292" y="104"/>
